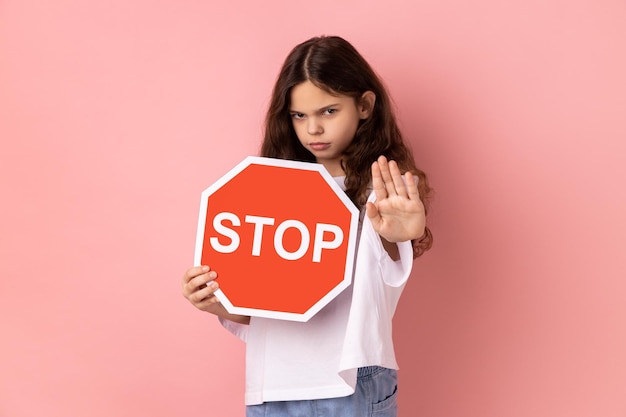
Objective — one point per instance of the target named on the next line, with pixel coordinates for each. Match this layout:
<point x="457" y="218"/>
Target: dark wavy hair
<point x="334" y="65"/>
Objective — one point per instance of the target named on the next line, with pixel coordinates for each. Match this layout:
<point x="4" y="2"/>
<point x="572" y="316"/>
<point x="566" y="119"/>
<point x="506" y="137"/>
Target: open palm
<point x="398" y="213"/>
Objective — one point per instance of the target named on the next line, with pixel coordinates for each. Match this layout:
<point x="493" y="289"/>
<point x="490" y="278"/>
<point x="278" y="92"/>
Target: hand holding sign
<point x="199" y="286"/>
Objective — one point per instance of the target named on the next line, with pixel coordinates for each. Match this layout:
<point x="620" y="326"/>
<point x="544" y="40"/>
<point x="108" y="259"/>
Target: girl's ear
<point x="366" y="104"/>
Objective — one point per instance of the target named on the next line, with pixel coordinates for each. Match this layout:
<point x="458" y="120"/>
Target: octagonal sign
<point x="280" y="234"/>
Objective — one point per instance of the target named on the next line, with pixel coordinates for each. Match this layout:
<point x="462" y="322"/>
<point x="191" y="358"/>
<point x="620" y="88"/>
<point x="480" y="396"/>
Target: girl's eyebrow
<point x="291" y="110"/>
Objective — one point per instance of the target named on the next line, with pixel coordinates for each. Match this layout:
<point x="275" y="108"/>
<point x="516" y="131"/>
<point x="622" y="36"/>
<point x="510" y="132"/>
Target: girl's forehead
<point x="307" y="95"/>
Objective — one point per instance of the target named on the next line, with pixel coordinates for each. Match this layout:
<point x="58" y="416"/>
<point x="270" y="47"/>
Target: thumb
<point x="372" y="213"/>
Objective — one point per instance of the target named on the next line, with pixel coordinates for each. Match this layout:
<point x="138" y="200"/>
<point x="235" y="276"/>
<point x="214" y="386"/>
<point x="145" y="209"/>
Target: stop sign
<point x="280" y="234"/>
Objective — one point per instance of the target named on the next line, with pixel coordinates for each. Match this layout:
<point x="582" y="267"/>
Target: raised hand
<point x="398" y="213"/>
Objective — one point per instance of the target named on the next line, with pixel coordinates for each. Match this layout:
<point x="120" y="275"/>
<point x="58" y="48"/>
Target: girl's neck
<point x="333" y="168"/>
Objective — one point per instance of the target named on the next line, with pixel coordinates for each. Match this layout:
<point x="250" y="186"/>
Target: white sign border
<point x="352" y="236"/>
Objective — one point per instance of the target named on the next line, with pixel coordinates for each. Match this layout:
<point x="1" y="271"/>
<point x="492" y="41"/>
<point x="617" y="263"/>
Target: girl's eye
<point x="297" y="116"/>
<point x="329" y="111"/>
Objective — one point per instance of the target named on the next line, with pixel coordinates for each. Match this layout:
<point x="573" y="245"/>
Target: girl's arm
<point x="391" y="248"/>
<point x="398" y="214"/>
<point x="199" y="286"/>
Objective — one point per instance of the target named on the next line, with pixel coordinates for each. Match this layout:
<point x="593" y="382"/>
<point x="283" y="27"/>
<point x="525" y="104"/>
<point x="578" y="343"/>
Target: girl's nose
<point x="314" y="127"/>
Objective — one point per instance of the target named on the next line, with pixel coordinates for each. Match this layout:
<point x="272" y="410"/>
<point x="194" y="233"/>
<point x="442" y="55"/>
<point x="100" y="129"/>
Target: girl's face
<point x="326" y="123"/>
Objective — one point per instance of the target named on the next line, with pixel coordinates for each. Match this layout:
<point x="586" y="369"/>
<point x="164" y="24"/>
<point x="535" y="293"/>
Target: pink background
<point x="115" y="115"/>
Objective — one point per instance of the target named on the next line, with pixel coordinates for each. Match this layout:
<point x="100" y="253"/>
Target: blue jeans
<point x="374" y="396"/>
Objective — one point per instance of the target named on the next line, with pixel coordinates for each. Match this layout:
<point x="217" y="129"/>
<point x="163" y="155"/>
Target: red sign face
<point x="281" y="236"/>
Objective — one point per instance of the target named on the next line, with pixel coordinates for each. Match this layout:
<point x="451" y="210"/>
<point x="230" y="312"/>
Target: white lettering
<point x="304" y="243"/>
<point x="319" y="243"/>
<point x="225" y="231"/>
<point x="259" y="222"/>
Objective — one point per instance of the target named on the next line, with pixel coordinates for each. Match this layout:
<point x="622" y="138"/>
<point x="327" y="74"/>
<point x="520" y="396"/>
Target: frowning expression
<point x="325" y="123"/>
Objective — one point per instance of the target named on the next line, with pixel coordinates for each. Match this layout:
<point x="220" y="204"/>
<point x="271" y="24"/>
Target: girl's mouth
<point x="319" y="146"/>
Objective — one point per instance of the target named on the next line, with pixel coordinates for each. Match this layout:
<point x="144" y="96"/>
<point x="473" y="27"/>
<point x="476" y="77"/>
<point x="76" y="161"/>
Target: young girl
<point x="328" y="106"/>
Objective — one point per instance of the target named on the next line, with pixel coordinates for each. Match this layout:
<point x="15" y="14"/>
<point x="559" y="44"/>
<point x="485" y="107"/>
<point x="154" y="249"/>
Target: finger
<point x="372" y="213"/>
<point x="193" y="272"/>
<point x="411" y="186"/>
<point x="398" y="182"/>
<point x="377" y="182"/>
<point x="204" y="294"/>
<point x="386" y="176"/>
<point x="202" y="281"/>
<point x="198" y="282"/>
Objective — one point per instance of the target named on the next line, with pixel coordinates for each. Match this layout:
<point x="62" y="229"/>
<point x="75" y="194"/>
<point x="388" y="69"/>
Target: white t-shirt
<point x="288" y="360"/>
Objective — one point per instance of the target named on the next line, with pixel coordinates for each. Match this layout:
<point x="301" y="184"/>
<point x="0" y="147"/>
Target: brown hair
<point x="334" y="65"/>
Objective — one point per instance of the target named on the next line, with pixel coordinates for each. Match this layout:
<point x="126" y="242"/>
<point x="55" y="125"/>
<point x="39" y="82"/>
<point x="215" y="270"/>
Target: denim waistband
<point x="368" y="370"/>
